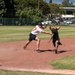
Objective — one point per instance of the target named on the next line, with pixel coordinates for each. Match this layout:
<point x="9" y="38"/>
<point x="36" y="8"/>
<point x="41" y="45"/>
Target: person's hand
<point x="50" y="33"/>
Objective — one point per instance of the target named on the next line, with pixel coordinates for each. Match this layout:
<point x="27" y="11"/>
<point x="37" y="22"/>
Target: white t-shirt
<point x="36" y="30"/>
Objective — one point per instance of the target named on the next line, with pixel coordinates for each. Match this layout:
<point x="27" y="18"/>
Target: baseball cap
<point x="40" y="24"/>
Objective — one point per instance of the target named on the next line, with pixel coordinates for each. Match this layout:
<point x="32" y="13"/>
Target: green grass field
<point x="24" y="73"/>
<point x="64" y="63"/>
<point x="15" y="33"/>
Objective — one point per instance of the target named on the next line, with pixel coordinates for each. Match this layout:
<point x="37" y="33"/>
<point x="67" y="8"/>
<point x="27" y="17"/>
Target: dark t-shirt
<point x="55" y="34"/>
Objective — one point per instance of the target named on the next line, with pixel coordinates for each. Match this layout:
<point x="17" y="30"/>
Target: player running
<point x="33" y="35"/>
<point x="55" y="38"/>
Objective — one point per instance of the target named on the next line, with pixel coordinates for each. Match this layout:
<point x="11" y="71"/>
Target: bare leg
<point x="26" y="44"/>
<point x="38" y="43"/>
<point x="56" y="47"/>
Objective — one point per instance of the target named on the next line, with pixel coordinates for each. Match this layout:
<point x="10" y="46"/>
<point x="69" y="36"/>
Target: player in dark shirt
<point x="55" y="38"/>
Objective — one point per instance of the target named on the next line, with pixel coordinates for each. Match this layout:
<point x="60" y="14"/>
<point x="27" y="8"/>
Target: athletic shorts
<point x="54" y="41"/>
<point x="32" y="37"/>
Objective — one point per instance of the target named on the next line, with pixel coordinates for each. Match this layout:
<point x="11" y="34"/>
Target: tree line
<point x="33" y="9"/>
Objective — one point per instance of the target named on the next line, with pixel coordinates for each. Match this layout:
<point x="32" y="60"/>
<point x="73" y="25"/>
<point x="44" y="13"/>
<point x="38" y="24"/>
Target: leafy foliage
<point x="29" y="9"/>
<point x="1" y="8"/>
<point x="9" y="8"/>
<point x="54" y="8"/>
<point x="67" y="3"/>
<point x="50" y="1"/>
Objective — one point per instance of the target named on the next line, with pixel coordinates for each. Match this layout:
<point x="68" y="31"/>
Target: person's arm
<point x="50" y="38"/>
<point x="46" y="32"/>
<point x="58" y="27"/>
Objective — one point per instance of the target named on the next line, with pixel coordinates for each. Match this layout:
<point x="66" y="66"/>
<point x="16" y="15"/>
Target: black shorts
<point x="32" y="37"/>
<point x="54" y="41"/>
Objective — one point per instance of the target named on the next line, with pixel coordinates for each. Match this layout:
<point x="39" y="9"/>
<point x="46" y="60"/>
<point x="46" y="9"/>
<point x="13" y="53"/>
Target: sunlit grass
<point x="24" y="73"/>
<point x="64" y="63"/>
<point x="14" y="33"/>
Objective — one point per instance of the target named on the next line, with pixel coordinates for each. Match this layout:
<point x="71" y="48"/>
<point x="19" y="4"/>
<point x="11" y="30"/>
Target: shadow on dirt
<point x="58" y="52"/>
<point x="40" y="51"/>
<point x="63" y="51"/>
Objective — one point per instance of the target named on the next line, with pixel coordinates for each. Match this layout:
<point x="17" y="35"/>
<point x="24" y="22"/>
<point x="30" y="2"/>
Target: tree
<point x="67" y="3"/>
<point x="23" y="8"/>
<point x="33" y="4"/>
<point x="2" y="7"/>
<point x="54" y="8"/>
<point x="29" y="9"/>
<point x="50" y="1"/>
<point x="10" y="10"/>
<point x="44" y="7"/>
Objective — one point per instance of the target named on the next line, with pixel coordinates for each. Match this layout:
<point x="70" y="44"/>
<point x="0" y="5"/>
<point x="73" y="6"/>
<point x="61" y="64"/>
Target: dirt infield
<point x="13" y="55"/>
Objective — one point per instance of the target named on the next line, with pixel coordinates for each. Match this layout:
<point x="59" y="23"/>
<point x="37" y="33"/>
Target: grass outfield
<point x="64" y="63"/>
<point x="14" y="33"/>
<point x="24" y="73"/>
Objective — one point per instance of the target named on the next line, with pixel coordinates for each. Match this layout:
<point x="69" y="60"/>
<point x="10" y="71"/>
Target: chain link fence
<point x="16" y="21"/>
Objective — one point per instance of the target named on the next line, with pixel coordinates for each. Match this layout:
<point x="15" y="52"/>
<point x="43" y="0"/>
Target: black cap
<point x="40" y="24"/>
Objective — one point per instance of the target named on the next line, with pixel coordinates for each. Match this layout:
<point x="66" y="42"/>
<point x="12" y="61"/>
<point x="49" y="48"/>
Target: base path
<point x="14" y="57"/>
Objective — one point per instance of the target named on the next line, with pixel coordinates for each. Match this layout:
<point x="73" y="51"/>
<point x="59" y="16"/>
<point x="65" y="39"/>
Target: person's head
<point x="40" y="24"/>
<point x="43" y="26"/>
<point x="51" y="27"/>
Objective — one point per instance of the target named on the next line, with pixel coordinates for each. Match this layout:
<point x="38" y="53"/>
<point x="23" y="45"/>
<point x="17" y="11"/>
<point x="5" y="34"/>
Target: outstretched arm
<point x="58" y="27"/>
<point x="50" y="38"/>
<point x="46" y="32"/>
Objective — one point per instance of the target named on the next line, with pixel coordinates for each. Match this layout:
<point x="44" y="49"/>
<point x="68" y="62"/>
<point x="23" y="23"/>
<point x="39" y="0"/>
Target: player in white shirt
<point x="33" y="34"/>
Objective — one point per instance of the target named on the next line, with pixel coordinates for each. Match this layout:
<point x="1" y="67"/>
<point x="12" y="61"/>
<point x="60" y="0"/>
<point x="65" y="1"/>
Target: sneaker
<point x="38" y="50"/>
<point x="59" y="43"/>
